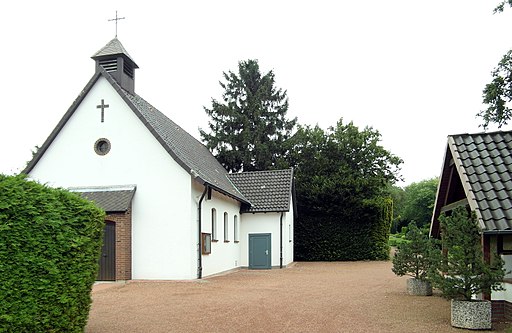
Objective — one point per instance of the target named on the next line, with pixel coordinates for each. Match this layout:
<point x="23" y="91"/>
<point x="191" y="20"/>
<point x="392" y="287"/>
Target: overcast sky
<point x="413" y="70"/>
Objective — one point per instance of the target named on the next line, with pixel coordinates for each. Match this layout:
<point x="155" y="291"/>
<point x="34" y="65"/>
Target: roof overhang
<point x="112" y="199"/>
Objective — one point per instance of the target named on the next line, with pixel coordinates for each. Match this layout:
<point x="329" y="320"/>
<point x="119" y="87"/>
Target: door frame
<point x="268" y="264"/>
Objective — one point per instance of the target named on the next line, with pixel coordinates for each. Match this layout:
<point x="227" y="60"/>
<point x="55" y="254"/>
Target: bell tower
<point x="114" y="59"/>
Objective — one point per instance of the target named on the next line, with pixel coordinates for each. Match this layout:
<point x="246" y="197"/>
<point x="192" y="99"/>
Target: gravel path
<point x="307" y="297"/>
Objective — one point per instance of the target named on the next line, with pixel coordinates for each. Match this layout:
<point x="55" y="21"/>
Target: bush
<point x="50" y="241"/>
<point x="395" y="240"/>
<point x="357" y="233"/>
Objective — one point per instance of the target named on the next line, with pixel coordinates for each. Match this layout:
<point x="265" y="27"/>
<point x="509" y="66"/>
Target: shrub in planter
<point x="413" y="258"/>
<point x="462" y="272"/>
<point x="50" y="242"/>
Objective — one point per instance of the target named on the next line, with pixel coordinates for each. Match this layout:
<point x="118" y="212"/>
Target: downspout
<point x="200" y="245"/>
<point x="281" y="241"/>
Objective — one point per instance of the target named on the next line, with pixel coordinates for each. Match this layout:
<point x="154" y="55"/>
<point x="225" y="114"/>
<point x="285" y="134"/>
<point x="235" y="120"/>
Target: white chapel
<point x="173" y="211"/>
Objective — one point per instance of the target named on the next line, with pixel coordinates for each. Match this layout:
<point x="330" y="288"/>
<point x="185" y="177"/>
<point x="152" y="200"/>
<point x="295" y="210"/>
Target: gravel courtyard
<point x="307" y="297"/>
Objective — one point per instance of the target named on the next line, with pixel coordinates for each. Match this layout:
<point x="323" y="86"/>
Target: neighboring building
<point x="477" y="172"/>
<point x="173" y="211"/>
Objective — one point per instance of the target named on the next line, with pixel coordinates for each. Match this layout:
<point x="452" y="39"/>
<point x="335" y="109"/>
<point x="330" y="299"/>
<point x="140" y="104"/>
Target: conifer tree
<point x="463" y="272"/>
<point x="249" y="126"/>
<point x="414" y="256"/>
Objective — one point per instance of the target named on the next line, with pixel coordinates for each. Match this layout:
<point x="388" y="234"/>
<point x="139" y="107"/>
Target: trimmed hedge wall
<point x="50" y="242"/>
<point x="357" y="233"/>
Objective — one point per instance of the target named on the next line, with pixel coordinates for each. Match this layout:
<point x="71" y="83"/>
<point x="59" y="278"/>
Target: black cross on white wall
<point x="102" y="106"/>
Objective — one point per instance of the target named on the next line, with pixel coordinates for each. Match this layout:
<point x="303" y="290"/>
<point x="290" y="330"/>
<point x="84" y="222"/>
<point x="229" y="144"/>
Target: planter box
<point x="419" y="287"/>
<point x="473" y="315"/>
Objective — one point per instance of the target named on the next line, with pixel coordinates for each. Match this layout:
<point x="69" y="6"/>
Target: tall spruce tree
<point x="248" y="128"/>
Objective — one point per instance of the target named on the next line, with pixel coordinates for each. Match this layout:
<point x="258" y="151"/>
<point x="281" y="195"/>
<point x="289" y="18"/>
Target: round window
<point x="102" y="146"/>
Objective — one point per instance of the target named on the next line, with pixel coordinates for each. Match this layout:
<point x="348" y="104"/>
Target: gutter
<point x="281" y="241"/>
<point x="497" y="232"/>
<point x="199" y="243"/>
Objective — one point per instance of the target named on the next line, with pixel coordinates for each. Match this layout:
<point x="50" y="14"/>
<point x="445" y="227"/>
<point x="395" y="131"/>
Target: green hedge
<point x="50" y="241"/>
<point x="356" y="233"/>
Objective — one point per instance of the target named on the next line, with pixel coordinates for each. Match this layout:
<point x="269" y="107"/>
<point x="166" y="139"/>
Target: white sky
<point x="414" y="70"/>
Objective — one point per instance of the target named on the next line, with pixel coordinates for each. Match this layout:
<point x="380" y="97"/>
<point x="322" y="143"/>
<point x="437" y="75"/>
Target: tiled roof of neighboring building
<point x="486" y="161"/>
<point x="110" y="199"/>
<point x="268" y="191"/>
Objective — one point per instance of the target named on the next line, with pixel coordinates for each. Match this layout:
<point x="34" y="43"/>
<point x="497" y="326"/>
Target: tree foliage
<point x="344" y="212"/>
<point x="343" y="209"/>
<point x="463" y="272"/>
<point x="498" y="93"/>
<point x="248" y="128"/>
<point x="342" y="164"/>
<point x="413" y="257"/>
<point x="415" y="202"/>
<point x="501" y="6"/>
<point x="50" y="242"/>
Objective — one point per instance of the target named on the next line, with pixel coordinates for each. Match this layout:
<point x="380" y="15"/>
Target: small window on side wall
<point x="235" y="229"/>
<point x="214" y="224"/>
<point x="226" y="229"/>
<point x="206" y="243"/>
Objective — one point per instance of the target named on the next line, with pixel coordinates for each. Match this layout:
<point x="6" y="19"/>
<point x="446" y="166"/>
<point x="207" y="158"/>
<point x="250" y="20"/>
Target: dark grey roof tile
<point x="502" y="195"/>
<point x="268" y="191"/>
<point x="497" y="214"/>
<point x="486" y="160"/>
<point x="502" y="168"/>
<point x="486" y="215"/>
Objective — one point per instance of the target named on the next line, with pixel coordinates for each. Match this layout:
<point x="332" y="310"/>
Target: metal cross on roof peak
<point x="116" y="19"/>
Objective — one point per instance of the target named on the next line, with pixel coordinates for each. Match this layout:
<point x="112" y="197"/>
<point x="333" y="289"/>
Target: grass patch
<point x="395" y="240"/>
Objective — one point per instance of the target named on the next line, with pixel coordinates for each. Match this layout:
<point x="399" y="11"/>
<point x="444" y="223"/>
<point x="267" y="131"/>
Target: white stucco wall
<point x="261" y="223"/>
<point x="288" y="235"/>
<point x="224" y="256"/>
<point x="161" y="230"/>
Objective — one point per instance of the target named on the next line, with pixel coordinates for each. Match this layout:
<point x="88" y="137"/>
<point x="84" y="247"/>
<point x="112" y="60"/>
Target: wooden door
<point x="107" y="271"/>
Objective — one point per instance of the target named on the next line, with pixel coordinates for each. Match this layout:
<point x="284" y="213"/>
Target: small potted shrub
<point x="413" y="258"/>
<point x="463" y="274"/>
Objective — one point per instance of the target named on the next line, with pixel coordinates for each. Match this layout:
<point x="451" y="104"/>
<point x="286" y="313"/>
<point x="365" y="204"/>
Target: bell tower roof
<point x="114" y="48"/>
<point x="115" y="60"/>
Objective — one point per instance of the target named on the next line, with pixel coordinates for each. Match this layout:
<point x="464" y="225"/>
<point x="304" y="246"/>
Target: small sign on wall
<point x="206" y="243"/>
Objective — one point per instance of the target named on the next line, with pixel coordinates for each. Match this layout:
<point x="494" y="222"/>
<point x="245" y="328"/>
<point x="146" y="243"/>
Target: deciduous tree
<point x="416" y="202"/>
<point x="498" y="93"/>
<point x="342" y="175"/>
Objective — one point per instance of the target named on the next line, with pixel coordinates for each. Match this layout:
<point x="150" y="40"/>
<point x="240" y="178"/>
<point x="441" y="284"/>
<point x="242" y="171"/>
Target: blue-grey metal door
<point x="260" y="251"/>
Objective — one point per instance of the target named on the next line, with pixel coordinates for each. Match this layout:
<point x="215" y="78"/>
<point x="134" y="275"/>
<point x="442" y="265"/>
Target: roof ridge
<point x="481" y="133"/>
<point x="260" y="171"/>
